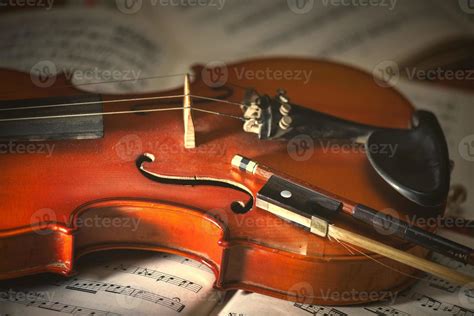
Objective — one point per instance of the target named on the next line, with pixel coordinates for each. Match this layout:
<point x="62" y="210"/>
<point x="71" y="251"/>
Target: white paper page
<point x="89" y="46"/>
<point x="430" y="296"/>
<point x="119" y="283"/>
<point x="455" y="111"/>
<point x="361" y="35"/>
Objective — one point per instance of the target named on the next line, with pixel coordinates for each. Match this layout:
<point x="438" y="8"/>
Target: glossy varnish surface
<point x="46" y="201"/>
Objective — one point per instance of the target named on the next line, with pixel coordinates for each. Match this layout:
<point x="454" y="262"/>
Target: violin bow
<point x="314" y="208"/>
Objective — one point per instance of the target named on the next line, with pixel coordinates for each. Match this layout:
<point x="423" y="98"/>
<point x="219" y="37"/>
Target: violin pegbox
<point x="269" y="118"/>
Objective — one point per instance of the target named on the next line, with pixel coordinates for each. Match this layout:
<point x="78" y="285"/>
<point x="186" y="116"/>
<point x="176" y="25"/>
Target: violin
<point x="281" y="187"/>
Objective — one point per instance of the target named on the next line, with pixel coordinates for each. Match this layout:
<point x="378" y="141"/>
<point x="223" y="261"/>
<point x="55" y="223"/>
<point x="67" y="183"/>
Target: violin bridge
<point x="189" y="133"/>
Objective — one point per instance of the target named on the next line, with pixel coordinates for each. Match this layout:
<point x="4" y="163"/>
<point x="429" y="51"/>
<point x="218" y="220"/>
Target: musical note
<point x="385" y="311"/>
<point x="319" y="310"/>
<point x="436" y="305"/>
<point x="92" y="287"/>
<point x="156" y="275"/>
<point x="443" y="285"/>
<point x="187" y="261"/>
<point x="42" y="303"/>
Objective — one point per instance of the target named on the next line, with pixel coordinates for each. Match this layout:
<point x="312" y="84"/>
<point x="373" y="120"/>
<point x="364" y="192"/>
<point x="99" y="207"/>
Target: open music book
<point x="112" y="45"/>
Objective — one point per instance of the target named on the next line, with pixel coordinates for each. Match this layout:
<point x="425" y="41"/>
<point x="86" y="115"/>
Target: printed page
<point x="430" y="296"/>
<point x="358" y="34"/>
<point x="118" y="283"/>
<point x="90" y="47"/>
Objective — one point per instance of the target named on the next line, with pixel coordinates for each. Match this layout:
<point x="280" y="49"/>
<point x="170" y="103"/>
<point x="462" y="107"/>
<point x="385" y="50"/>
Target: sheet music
<point x="430" y="296"/>
<point x="166" y="40"/>
<point x="118" y="283"/>
<point x="357" y="34"/>
<point x="90" y="46"/>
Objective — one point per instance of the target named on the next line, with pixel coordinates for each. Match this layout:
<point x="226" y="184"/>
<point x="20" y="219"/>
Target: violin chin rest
<point x="415" y="162"/>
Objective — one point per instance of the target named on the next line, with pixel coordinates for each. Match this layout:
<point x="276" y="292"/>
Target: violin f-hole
<point x="239" y="207"/>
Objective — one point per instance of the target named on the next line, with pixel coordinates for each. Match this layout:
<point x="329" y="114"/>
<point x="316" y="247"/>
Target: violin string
<point x="16" y="119"/>
<point x="91" y="103"/>
<point x="344" y="244"/>
<point x="118" y="101"/>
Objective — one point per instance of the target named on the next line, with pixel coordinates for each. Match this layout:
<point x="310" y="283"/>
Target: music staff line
<point x="430" y="303"/>
<point x="156" y="275"/>
<point x="92" y="287"/>
<point x="385" y="311"/>
<point x="319" y="310"/>
<point x="187" y="261"/>
<point x="61" y="307"/>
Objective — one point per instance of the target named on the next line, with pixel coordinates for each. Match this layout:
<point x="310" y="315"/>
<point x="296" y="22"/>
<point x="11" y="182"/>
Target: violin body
<point x="87" y="195"/>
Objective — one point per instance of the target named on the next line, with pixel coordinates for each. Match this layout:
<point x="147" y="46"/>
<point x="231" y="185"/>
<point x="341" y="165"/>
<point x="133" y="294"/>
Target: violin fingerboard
<point x="66" y="124"/>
